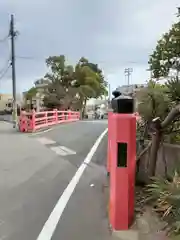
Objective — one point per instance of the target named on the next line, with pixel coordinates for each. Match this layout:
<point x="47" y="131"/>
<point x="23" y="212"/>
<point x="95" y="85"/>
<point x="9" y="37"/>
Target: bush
<point x="166" y="200"/>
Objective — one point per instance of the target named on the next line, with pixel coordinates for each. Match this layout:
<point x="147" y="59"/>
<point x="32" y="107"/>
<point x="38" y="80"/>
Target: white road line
<point x="59" y="151"/>
<point x="50" y="225"/>
<point x="95" y="121"/>
<point x="45" y="141"/>
<point x="67" y="150"/>
<point x="44" y="131"/>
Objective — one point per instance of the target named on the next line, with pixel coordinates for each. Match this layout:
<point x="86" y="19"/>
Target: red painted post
<point x="55" y="116"/>
<point x="123" y="162"/>
<point x="122" y="175"/>
<point x="46" y="118"/>
<point x="63" y="116"/>
<point x="23" y="122"/>
<point x="69" y="115"/>
<point x="33" y="120"/>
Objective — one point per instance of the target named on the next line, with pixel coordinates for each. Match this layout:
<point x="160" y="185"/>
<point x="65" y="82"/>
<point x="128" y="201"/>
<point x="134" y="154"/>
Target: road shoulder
<point x="86" y="216"/>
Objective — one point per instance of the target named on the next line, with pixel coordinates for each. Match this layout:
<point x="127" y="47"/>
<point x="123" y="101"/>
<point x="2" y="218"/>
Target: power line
<point x="31" y="58"/>
<point x="4" y="39"/>
<point x="5" y="71"/>
<point x="99" y="62"/>
<point x="5" y="65"/>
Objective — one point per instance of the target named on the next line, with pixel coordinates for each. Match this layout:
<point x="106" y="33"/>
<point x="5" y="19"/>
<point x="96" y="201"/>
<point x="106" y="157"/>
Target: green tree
<point x="30" y="94"/>
<point x="73" y="86"/>
<point x="173" y="90"/>
<point x="160" y="104"/>
<point x="153" y="101"/>
<point x="101" y="89"/>
<point x="166" y="55"/>
<point x="89" y="81"/>
<point x="60" y="88"/>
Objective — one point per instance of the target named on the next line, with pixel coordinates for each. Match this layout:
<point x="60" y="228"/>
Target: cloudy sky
<point x="113" y="33"/>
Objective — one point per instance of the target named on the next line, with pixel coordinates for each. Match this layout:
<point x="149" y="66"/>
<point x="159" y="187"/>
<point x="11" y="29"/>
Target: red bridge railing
<point x="30" y="122"/>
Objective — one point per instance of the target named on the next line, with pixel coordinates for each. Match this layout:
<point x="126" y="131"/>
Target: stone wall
<point x="168" y="160"/>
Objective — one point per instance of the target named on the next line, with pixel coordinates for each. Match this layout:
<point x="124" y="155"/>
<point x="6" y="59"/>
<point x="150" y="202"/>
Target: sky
<point x="116" y="34"/>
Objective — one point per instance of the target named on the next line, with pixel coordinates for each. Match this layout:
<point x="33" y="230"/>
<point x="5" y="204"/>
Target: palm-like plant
<point x="153" y="102"/>
<point x="166" y="198"/>
<point x="173" y="89"/>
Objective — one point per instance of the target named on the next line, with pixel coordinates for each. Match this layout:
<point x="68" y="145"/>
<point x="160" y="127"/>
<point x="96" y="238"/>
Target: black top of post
<point x="116" y="93"/>
<point x="122" y="104"/>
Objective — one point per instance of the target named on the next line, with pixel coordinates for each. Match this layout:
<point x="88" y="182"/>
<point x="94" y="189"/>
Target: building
<point x="37" y="100"/>
<point x="126" y="89"/>
<point x="132" y="89"/>
<point x="6" y="102"/>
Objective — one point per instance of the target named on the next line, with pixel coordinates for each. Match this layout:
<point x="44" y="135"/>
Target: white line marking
<point x="67" y="150"/>
<point x="95" y="121"/>
<point x="45" y="141"/>
<point x="44" y="131"/>
<point x="50" y="225"/>
<point x="58" y="150"/>
<point x="5" y="122"/>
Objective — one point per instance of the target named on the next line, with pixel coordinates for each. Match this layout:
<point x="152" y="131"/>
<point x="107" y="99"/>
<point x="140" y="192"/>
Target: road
<point x="54" y="188"/>
<point x="7" y="117"/>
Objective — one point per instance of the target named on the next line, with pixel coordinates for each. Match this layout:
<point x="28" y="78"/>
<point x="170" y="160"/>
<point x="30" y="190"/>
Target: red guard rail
<point x="30" y="122"/>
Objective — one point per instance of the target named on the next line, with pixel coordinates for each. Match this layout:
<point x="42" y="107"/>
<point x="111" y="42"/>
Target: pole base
<point x="126" y="235"/>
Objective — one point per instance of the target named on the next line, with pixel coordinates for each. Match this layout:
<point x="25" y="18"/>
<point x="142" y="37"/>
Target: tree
<point x="162" y="105"/>
<point x="153" y="101"/>
<point x="73" y="86"/>
<point x="101" y="89"/>
<point x="89" y="81"/>
<point x="30" y="94"/>
<point x="166" y="55"/>
<point x="60" y="77"/>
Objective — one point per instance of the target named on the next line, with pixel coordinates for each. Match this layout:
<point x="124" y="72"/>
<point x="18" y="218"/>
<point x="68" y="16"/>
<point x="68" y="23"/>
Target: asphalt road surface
<point x="55" y="189"/>
<point x="7" y="118"/>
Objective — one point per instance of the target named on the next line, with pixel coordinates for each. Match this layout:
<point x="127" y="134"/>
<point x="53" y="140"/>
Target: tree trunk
<point x="84" y="107"/>
<point x="156" y="137"/>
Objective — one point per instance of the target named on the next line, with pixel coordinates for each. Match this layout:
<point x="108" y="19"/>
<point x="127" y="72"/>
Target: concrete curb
<point x="126" y="235"/>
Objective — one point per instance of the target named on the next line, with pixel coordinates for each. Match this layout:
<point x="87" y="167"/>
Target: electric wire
<point x="4" y="39"/>
<point x="5" y="71"/>
<point x="5" y="65"/>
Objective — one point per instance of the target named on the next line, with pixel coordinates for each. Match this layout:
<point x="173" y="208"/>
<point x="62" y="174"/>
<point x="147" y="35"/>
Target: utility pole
<point x="12" y="35"/>
<point x="109" y="90"/>
<point x="178" y="13"/>
<point x="128" y="72"/>
<point x="109" y="96"/>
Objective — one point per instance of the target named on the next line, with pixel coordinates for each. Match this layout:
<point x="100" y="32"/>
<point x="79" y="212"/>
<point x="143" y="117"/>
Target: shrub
<point x="165" y="196"/>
